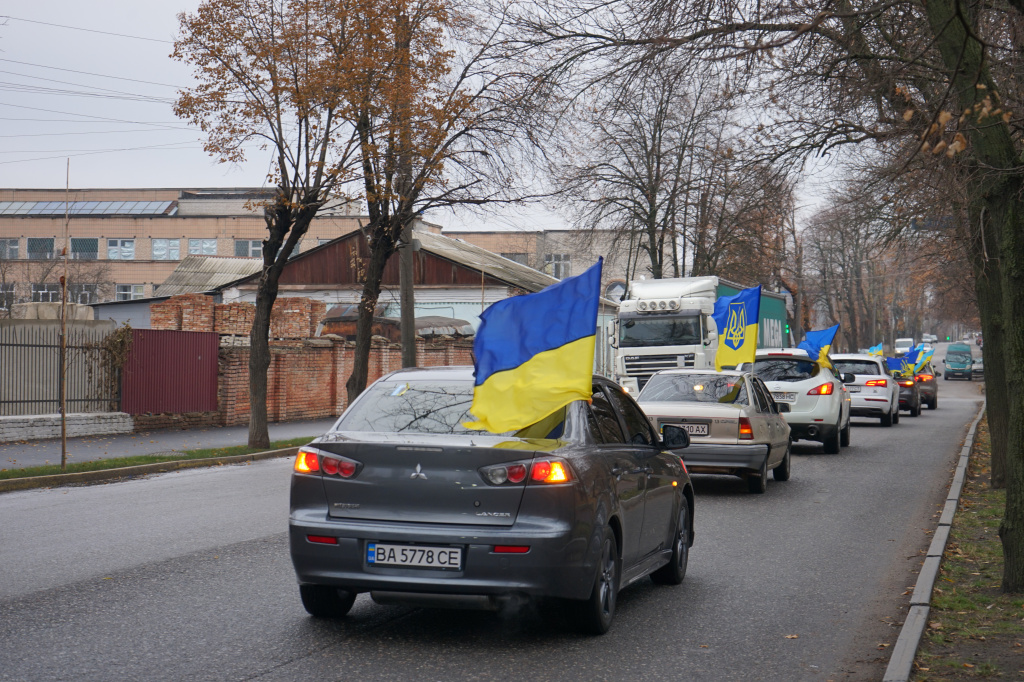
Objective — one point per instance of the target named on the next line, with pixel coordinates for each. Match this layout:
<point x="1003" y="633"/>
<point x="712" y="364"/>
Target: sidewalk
<point x="88" y="448"/>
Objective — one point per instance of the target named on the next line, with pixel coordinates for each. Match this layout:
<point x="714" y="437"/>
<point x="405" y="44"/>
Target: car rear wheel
<point x="674" y="571"/>
<point x="896" y="415"/>
<point x="887" y="419"/>
<point x="758" y="483"/>
<point x="844" y="435"/>
<point x="596" y="613"/>
<point x="831" y="444"/>
<point x="325" y="601"/>
<point x="933" y="403"/>
<point x="915" y="411"/>
<point x="781" y="472"/>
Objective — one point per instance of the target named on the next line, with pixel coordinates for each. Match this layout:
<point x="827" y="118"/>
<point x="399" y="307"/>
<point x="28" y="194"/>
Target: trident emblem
<point x="736" y="330"/>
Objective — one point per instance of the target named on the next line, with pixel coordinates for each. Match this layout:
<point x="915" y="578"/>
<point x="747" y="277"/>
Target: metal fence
<point x="30" y="362"/>
<point x="171" y="371"/>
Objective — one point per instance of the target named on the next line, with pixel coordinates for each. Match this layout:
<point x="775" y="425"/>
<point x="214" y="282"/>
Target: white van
<point x="902" y="346"/>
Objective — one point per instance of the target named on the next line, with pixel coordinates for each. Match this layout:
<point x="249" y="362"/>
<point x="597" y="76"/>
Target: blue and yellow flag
<point x="817" y="344"/>
<point x="904" y="366"/>
<point x="736" y="318"/>
<point x="535" y="354"/>
<point x="875" y="350"/>
<point x="923" y="360"/>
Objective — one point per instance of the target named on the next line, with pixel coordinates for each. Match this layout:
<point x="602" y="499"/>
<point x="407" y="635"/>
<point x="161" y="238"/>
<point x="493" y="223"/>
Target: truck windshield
<point x="659" y="331"/>
<point x="958" y="358"/>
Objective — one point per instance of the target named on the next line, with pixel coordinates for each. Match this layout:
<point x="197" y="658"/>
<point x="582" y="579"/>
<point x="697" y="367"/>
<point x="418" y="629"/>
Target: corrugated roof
<point x="206" y="273"/>
<point x="478" y="258"/>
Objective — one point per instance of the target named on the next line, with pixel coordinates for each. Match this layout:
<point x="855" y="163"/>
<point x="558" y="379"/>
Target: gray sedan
<point x="402" y="501"/>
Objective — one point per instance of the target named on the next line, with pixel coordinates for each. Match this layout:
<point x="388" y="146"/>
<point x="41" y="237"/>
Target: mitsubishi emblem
<point x="419" y="473"/>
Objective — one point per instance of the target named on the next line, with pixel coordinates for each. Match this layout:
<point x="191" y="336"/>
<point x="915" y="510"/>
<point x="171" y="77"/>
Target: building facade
<point x="123" y="243"/>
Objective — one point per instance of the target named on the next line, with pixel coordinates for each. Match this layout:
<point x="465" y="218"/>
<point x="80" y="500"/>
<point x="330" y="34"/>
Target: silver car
<point x="402" y="501"/>
<point x="874" y="392"/>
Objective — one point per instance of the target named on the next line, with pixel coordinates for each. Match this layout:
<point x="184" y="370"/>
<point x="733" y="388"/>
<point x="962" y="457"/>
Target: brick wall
<point x="290" y="318"/>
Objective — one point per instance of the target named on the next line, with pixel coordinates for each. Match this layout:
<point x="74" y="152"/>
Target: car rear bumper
<point x="557" y="564"/>
<point x="715" y="458"/>
<point x="870" y="407"/>
<point x="818" y="431"/>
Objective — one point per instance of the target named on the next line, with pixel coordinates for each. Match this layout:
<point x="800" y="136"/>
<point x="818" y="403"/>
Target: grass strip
<point x="974" y="631"/>
<point x="135" y="460"/>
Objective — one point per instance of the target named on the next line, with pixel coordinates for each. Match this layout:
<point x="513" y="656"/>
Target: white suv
<point x="817" y="406"/>
<point x="874" y="392"/>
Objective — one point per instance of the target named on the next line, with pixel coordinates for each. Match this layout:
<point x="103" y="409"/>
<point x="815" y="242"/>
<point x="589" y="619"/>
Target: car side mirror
<point x="848" y="378"/>
<point x="943" y="360"/>
<point x="674" y="437"/>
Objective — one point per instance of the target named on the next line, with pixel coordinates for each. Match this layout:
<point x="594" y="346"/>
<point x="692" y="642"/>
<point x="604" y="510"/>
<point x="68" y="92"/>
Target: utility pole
<point x="62" y="387"/>
<point x="406" y="293"/>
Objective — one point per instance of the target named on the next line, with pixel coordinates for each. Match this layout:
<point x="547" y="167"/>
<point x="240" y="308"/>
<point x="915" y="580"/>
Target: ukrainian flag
<point x="875" y="350"/>
<point x="817" y="344"/>
<point x="736" y="318"/>
<point x="924" y="360"/>
<point x="535" y="354"/>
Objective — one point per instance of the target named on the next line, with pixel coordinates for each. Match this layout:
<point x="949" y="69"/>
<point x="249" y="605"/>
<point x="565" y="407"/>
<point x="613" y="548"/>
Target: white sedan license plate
<point x="696" y="429"/>
<point x="784" y="397"/>
<point x="417" y="556"/>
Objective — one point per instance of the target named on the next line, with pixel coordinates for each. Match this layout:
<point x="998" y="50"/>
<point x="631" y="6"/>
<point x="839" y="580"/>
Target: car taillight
<point x="877" y="382"/>
<point x="925" y="377"/>
<point x="306" y="461"/>
<point x="906" y="382"/>
<point x="513" y="473"/>
<point x="824" y="389"/>
<point x="338" y="466"/>
<point x="746" y="430"/>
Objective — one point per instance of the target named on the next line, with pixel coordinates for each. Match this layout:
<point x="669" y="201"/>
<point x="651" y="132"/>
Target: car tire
<point x="831" y="444"/>
<point x="758" y="483"/>
<point x="886" y="419"/>
<point x="896" y="415"/>
<point x="674" y="571"/>
<point x="326" y="601"/>
<point x="844" y="435"/>
<point x="915" y="411"/>
<point x="781" y="472"/>
<point x="933" y="403"/>
<point x="594" y="616"/>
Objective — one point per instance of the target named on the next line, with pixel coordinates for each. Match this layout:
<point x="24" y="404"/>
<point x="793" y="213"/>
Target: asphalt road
<point x="186" y="576"/>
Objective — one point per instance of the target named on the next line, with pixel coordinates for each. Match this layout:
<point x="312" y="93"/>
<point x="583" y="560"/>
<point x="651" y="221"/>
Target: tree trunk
<point x="381" y="249"/>
<point x="259" y="358"/>
<point x="989" y="293"/>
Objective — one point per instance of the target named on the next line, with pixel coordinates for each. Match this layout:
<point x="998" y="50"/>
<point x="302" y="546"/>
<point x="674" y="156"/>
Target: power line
<point x="99" y="118"/>
<point x="90" y="73"/>
<point x="91" y="132"/>
<point x="54" y="80"/>
<point x="172" y="146"/>
<point x="88" y="30"/>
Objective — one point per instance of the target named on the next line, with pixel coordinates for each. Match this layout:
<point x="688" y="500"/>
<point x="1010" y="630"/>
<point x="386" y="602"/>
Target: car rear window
<point x="696" y="388"/>
<point x="856" y="367"/>
<point x="428" y="407"/>
<point x="786" y="369"/>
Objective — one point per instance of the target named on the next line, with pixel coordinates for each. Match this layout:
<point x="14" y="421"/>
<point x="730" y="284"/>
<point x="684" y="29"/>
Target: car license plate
<point x="696" y="429"/>
<point x="784" y="397"/>
<point x="853" y="389"/>
<point x="417" y="556"/>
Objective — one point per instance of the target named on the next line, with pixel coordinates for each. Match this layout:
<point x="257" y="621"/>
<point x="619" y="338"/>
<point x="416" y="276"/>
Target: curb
<point x="901" y="661"/>
<point x="55" y="480"/>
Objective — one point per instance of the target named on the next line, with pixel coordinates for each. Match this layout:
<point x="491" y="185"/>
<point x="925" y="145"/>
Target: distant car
<point x="910" y="395"/>
<point x="402" y="501"/>
<point x="978" y="368"/>
<point x="874" y="392"/>
<point x="929" y="338"/>
<point x="958" y="362"/>
<point x="902" y="346"/>
<point x="928" y="385"/>
<point x="734" y="424"/>
<point x="817" y="401"/>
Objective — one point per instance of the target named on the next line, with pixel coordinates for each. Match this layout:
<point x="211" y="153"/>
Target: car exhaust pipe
<point x="812" y="431"/>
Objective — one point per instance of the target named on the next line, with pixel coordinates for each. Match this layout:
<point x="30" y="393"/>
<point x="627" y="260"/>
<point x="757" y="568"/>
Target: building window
<point x="523" y="258"/>
<point x="40" y="248"/>
<point x="166" y="249"/>
<point x="250" y="248"/>
<point x="129" y="292"/>
<point x="202" y="247"/>
<point x="83" y="293"/>
<point x="46" y="293"/>
<point x="557" y="265"/>
<point x="121" y="249"/>
<point x="85" y="249"/>
<point x="6" y="296"/>
<point x="321" y="242"/>
<point x="8" y="249"/>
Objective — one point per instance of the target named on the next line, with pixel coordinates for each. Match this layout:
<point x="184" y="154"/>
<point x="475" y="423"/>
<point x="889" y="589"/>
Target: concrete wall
<point x="43" y="426"/>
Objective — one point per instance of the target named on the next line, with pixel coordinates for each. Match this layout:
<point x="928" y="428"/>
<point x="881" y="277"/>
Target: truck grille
<point x="644" y="366"/>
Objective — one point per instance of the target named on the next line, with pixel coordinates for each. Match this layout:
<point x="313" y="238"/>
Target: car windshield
<point x="856" y="367"/>
<point x="428" y="407"/>
<point x="637" y="332"/>
<point x="697" y="388"/>
<point x="786" y="369"/>
<point x="904" y="343"/>
<point x="960" y="358"/>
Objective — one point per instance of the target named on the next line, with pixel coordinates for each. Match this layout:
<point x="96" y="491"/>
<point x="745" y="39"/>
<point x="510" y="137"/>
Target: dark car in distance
<point x="910" y="394"/>
<point x="401" y="500"/>
<point x="928" y="385"/>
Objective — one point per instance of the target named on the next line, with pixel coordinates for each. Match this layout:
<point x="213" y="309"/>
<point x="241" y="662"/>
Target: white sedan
<point x="874" y="392"/>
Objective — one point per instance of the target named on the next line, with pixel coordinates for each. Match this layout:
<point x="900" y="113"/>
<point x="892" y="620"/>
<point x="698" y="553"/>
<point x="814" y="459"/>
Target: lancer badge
<point x="419" y="473"/>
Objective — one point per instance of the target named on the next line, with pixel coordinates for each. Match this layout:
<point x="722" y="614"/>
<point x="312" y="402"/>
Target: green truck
<point x="958" y="362"/>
